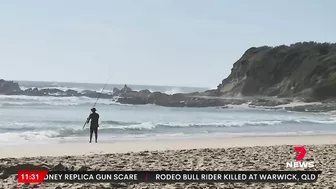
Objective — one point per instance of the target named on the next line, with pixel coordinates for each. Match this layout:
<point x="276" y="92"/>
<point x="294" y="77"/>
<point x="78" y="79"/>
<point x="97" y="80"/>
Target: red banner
<point x="31" y="176"/>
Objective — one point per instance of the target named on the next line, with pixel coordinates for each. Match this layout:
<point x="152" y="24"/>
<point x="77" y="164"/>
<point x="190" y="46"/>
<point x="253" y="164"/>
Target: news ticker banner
<point x="167" y="176"/>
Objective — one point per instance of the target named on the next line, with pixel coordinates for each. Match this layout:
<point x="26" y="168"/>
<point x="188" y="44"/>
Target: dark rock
<point x="330" y="100"/>
<point x="213" y="92"/>
<point x="274" y="108"/>
<point x="83" y="168"/>
<point x="265" y="102"/>
<point x="132" y="100"/>
<point x="51" y="91"/>
<point x="129" y="94"/>
<point x="60" y="167"/>
<point x="175" y="100"/>
<point x="125" y="92"/>
<point x="7" y="87"/>
<point x="116" y="91"/>
<point x="314" y="108"/>
<point x="33" y="92"/>
<point x="87" y="91"/>
<point x="145" y="92"/>
<point x="195" y="94"/>
<point x="95" y="94"/>
<point x="222" y="107"/>
<point x="126" y="89"/>
<point x="134" y="97"/>
<point x="71" y="92"/>
<point x="237" y="101"/>
<point x="12" y="88"/>
<point x="157" y="97"/>
<point x="307" y="99"/>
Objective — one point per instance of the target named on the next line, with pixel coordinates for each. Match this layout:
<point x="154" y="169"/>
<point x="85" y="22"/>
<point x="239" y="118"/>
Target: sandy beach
<point x="249" y="153"/>
<point x="160" y="145"/>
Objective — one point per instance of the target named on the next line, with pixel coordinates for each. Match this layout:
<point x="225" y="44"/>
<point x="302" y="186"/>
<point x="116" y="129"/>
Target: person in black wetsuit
<point x="94" y="117"/>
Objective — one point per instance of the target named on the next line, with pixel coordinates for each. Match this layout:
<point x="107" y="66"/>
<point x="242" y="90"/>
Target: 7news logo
<point x="299" y="163"/>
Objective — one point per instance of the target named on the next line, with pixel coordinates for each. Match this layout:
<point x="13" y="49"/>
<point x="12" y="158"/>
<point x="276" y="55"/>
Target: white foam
<point x="49" y="100"/>
<point x="174" y="91"/>
<point x="298" y="103"/>
<point x="145" y="125"/>
<point x="227" y="123"/>
<point x="28" y="136"/>
<point x="64" y="88"/>
<point x="170" y="91"/>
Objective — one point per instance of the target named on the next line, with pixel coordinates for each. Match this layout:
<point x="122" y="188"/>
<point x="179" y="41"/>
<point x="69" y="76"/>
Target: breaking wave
<point x="170" y="90"/>
<point x="108" y="90"/>
<point x="20" y="100"/>
<point x="174" y="91"/>
<point x="54" y="129"/>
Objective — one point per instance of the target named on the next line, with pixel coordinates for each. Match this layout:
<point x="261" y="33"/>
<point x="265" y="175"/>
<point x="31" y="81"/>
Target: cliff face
<point x="303" y="69"/>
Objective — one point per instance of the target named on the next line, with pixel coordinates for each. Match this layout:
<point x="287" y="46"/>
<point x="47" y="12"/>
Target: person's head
<point x="93" y="110"/>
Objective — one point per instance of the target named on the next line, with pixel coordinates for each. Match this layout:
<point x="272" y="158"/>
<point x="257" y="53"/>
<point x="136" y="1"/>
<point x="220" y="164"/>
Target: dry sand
<point x="251" y="153"/>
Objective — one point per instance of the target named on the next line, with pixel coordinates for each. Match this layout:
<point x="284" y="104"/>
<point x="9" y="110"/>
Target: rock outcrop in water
<point x="9" y="87"/>
<point x="303" y="69"/>
<point x="128" y="96"/>
<point x="175" y="100"/>
<point x="13" y="88"/>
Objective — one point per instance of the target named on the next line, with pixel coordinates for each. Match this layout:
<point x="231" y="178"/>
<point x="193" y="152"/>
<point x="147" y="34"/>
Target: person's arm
<point x="88" y="119"/>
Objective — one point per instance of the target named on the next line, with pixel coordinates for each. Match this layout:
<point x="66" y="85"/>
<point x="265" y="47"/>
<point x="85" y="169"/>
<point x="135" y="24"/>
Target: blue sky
<point x="158" y="42"/>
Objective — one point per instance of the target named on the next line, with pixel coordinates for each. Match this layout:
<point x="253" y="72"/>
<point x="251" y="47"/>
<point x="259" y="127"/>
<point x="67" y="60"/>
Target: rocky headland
<point x="304" y="70"/>
<point x="262" y="77"/>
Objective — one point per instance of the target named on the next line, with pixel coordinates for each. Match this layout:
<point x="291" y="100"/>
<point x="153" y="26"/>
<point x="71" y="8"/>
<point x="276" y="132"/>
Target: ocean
<point x="27" y="119"/>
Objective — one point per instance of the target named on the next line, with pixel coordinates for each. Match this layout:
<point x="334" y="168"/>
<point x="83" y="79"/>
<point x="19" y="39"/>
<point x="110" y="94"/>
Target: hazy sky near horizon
<point x="157" y="42"/>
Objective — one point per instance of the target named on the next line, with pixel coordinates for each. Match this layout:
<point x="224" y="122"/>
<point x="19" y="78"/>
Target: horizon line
<point x="75" y="82"/>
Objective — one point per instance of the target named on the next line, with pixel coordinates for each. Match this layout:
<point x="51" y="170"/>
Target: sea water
<point x="28" y="119"/>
